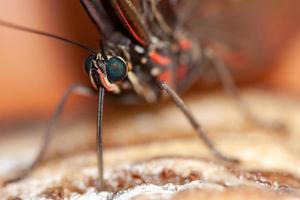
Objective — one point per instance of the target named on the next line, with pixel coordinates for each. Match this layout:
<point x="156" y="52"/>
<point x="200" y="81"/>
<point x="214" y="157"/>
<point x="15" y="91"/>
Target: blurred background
<point x="35" y="71"/>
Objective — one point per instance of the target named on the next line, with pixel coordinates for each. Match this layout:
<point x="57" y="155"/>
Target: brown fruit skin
<point x="35" y="70"/>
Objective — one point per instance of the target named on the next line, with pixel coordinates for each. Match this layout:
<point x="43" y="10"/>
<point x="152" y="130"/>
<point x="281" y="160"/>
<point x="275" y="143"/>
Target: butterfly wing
<point x="131" y="20"/>
<point x="246" y="34"/>
<point x="96" y="12"/>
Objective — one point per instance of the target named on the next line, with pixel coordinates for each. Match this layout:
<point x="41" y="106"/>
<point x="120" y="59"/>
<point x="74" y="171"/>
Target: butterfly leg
<point x="73" y="89"/>
<point x="231" y="89"/>
<point x="192" y="120"/>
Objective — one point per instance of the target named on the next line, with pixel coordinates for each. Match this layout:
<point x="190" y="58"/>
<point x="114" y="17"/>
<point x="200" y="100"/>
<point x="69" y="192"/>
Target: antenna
<point x="37" y="32"/>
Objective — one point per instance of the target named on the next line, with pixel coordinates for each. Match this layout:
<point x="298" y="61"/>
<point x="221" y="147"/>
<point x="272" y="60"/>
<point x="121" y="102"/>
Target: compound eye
<point x="89" y="63"/>
<point x="116" y="69"/>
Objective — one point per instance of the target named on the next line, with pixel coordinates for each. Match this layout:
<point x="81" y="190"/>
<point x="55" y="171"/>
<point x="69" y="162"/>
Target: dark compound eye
<point x="116" y="69"/>
<point x="89" y="63"/>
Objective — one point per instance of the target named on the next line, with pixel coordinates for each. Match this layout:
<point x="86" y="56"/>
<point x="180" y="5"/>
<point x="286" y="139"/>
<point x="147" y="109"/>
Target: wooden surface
<point x="154" y="154"/>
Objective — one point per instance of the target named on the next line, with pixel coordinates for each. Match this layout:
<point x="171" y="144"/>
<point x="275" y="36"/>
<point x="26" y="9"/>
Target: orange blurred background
<point x="36" y="70"/>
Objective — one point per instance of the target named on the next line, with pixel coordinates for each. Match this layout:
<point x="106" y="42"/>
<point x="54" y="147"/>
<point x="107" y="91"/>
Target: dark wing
<point x="246" y="33"/>
<point x="132" y="20"/>
<point x="166" y="7"/>
<point x="96" y="12"/>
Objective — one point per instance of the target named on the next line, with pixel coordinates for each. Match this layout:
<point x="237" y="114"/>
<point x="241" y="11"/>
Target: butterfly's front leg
<point x="47" y="137"/>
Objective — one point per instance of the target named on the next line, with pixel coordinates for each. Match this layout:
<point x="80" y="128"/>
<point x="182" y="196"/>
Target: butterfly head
<point x="106" y="71"/>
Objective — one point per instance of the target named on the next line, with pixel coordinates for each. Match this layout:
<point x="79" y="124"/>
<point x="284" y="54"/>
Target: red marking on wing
<point x="130" y="28"/>
<point x="233" y="59"/>
<point x="185" y="44"/>
<point x="166" y="76"/>
<point x="159" y="59"/>
<point x="181" y="72"/>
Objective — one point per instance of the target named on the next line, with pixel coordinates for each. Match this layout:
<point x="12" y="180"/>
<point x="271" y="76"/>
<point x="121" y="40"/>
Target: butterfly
<point x="153" y="49"/>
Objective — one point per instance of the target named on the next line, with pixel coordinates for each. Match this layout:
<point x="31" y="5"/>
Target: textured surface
<point x="164" y="159"/>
